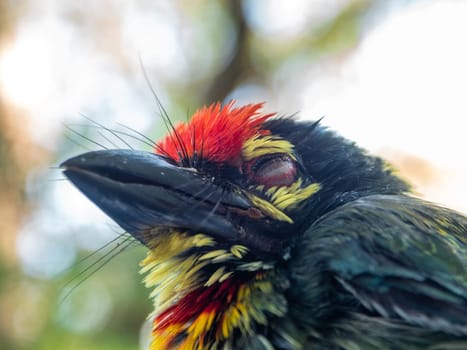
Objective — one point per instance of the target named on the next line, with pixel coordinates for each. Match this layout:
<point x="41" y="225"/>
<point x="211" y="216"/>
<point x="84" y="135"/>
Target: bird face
<point x="219" y="204"/>
<point x="224" y="174"/>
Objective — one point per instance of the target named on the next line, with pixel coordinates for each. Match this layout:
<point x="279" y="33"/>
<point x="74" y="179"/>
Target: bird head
<point x="220" y="203"/>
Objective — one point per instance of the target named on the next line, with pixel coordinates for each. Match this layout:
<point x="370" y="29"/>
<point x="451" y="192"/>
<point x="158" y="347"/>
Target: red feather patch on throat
<point x="198" y="319"/>
<point x="215" y="133"/>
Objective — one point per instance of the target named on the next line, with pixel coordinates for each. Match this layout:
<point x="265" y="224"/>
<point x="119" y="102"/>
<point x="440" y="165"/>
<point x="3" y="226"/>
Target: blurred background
<point x="391" y="75"/>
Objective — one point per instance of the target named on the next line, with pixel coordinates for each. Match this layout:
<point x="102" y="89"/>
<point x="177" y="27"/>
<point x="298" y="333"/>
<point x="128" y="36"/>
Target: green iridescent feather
<point x="384" y="272"/>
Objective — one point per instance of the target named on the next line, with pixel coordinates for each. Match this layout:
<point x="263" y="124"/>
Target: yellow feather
<point x="238" y="251"/>
<point x="269" y="209"/>
<point x="212" y="254"/>
<point x="215" y="276"/>
<point x="261" y="145"/>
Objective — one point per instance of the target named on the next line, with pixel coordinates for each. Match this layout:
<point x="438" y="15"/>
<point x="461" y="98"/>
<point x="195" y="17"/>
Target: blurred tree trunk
<point x="240" y="65"/>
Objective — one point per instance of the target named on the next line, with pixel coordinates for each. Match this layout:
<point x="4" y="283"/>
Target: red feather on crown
<point x="215" y="133"/>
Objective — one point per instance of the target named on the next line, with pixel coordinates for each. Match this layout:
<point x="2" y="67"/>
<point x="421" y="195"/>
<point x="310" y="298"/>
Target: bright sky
<point x="405" y="90"/>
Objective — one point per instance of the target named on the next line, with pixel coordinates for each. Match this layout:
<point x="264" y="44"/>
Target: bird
<point x="266" y="232"/>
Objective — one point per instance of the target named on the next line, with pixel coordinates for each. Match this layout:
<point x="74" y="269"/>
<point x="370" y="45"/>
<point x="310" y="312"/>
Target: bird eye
<point x="278" y="170"/>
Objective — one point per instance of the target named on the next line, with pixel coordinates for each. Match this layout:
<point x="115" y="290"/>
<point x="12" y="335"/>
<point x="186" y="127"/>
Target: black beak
<point x="142" y="191"/>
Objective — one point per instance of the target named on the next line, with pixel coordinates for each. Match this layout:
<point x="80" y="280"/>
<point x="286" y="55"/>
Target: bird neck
<point x="200" y="303"/>
<point x="209" y="316"/>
